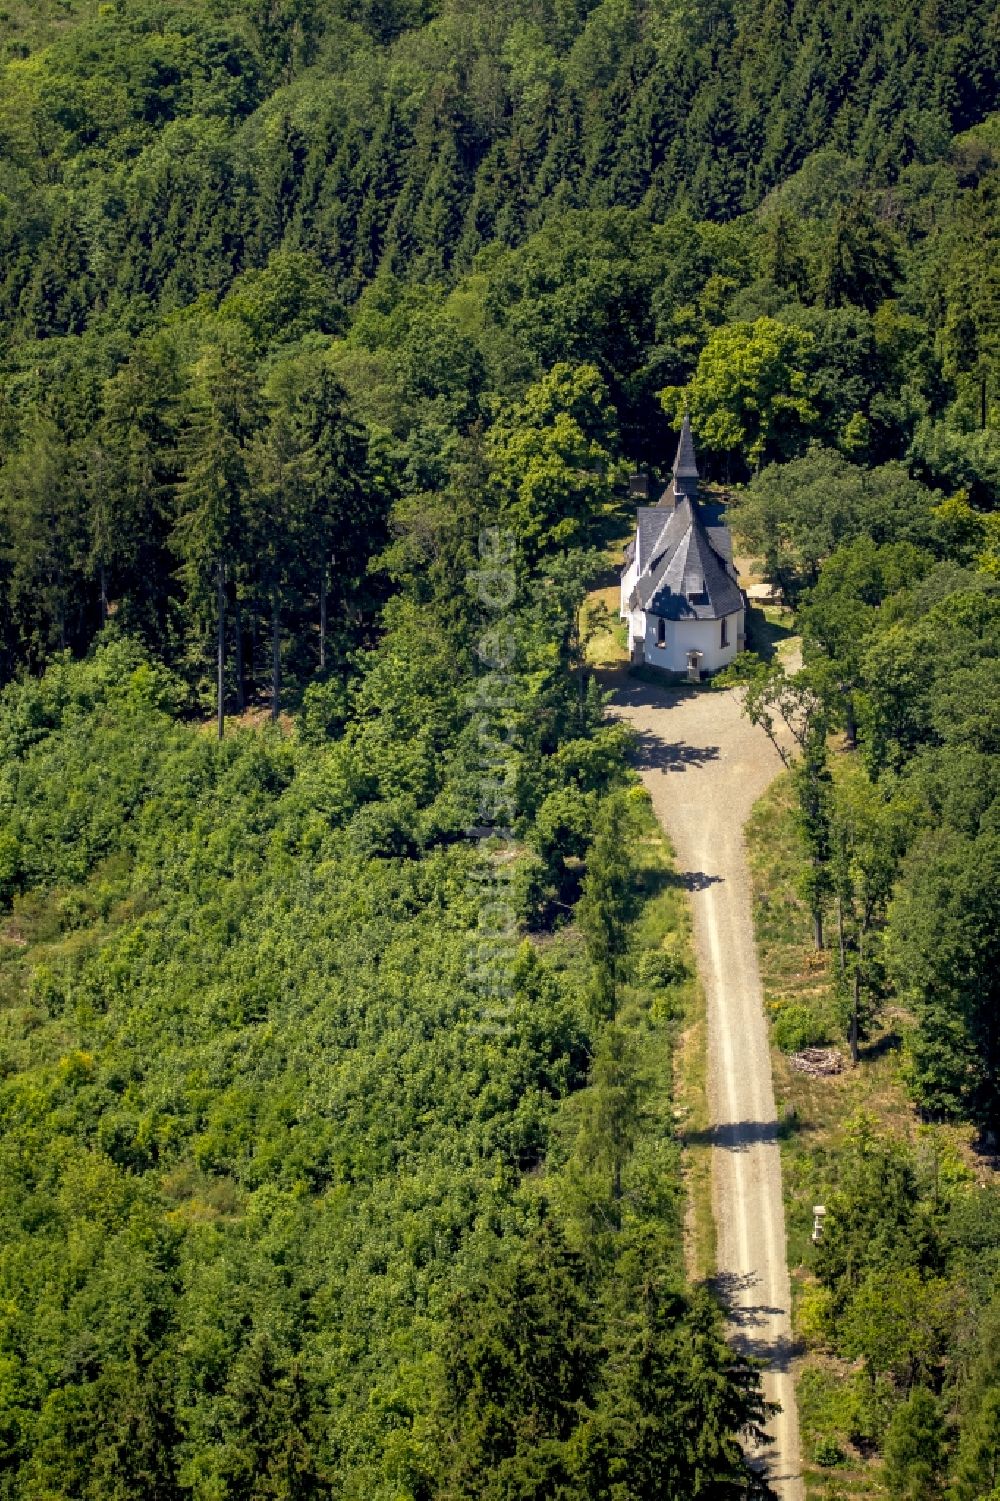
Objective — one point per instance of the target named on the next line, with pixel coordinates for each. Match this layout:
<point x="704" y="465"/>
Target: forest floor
<point x="704" y="767"/>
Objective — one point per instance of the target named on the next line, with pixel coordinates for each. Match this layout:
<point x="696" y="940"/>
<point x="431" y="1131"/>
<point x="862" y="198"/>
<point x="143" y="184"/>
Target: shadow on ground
<point x="765" y="636"/>
<point x="740" y="1136"/>
<point x="889" y="1042"/>
<point x="654" y="754"/>
<point x="735" y="1136"/>
<point x="734" y="1291"/>
<point x="655" y="881"/>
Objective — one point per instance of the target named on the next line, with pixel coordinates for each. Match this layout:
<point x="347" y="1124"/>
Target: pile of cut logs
<point x="819" y="1063"/>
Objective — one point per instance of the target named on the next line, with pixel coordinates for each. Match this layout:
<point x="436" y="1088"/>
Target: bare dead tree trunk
<point x="220" y="664"/>
<point x="275" y="654"/>
<point x="241" y="696"/>
<point x="855" y="1035"/>
<point x="322" y="621"/>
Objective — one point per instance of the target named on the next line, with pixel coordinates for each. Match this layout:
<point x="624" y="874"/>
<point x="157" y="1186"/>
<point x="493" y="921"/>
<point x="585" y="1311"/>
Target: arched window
<point x="661" y="633"/>
<point x="725" y="632"/>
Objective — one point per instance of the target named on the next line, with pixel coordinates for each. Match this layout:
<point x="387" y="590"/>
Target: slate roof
<point x="686" y="577"/>
<point x="683" y="550"/>
<point x="649" y="523"/>
<point x="685" y="463"/>
<point x="721" y="539"/>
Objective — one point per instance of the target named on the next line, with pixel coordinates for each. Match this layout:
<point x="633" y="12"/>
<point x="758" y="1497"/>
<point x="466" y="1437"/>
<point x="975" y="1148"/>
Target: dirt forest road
<point x="704" y="766"/>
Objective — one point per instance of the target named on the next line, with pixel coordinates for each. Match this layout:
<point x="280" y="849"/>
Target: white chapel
<point x="685" y="610"/>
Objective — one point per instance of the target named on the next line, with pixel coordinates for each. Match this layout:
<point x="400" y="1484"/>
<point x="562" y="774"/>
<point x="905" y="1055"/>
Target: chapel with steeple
<point x="680" y="594"/>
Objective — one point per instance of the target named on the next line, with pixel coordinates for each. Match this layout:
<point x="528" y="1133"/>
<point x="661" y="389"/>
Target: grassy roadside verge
<point x="691" y="1091"/>
<point x="665" y="927"/>
<point x="675" y="1047"/>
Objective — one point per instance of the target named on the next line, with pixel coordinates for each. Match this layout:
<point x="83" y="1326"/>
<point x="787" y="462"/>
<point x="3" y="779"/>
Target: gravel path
<point x="705" y="766"/>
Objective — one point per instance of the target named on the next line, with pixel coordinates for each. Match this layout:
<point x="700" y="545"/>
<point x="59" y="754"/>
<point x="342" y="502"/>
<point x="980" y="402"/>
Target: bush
<point x="795" y="1026"/>
<point x="828" y="1453"/>
<point x="658" y="969"/>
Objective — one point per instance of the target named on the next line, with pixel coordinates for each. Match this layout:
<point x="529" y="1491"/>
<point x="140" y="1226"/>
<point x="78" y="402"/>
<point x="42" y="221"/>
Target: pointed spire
<point x="685" y="464"/>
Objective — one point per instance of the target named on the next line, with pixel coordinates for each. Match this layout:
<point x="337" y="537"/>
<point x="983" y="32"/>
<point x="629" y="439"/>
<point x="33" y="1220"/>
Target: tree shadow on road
<point x="697" y="880"/>
<point x="746" y="1318"/>
<point x="639" y="693"/>
<point x="651" y="753"/>
<point x="653" y="882"/>
<point x="736" y="1136"/>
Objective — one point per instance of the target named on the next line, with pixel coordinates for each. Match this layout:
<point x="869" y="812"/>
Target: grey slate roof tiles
<point x="685" y="578"/>
<point x="684" y="552"/>
<point x="685" y="463"/>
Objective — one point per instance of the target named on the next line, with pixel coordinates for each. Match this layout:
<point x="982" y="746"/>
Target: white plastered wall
<point x="628" y="584"/>
<point x="683" y="636"/>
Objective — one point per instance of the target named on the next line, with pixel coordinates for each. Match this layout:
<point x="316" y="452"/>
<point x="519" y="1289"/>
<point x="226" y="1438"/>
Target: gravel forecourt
<point x="704" y="766"/>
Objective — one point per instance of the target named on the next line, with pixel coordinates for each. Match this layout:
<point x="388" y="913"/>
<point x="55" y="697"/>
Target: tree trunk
<point x="322" y="621"/>
<point x="241" y="696"/>
<point x="104" y="594"/>
<point x="841" y="944"/>
<point x="855" y="1036"/>
<point x="220" y="664"/>
<point x="61" y="610"/>
<point x="251" y="662"/>
<point x="850" y="723"/>
<point x="817" y="918"/>
<point x="576" y="653"/>
<point x="275" y="654"/>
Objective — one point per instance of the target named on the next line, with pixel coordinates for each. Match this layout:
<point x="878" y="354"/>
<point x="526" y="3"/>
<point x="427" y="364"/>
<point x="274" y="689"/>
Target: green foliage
<point x="552" y="457"/>
<point x="979" y="1451"/>
<point x="750" y="392"/>
<point x="903" y="1292"/>
<point x="289" y="298"/>
<point x="793" y="715"/>
<point x="298" y="301"/>
<point x="607" y="905"/>
<point x="941" y="937"/>
<point x="292" y="1221"/>
<point x="795" y="1027"/>
<point x="840" y="612"/>
<point x="913" y="1449"/>
<point x="794" y="516"/>
<point x="870" y="833"/>
<point x="537" y="1406"/>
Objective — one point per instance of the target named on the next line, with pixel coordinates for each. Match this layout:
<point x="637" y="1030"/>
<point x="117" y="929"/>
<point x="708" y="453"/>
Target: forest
<point x="309" y="312"/>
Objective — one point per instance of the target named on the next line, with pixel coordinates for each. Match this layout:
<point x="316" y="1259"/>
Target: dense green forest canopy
<point x="298" y="302"/>
<point x="252" y="225"/>
<point x="291" y="1206"/>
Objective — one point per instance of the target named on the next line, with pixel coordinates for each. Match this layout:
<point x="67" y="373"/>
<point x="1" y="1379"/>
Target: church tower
<point x="685" y="464"/>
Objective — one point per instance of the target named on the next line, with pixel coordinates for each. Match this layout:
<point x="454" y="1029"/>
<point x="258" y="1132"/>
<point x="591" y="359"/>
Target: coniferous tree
<point x="607" y="906"/>
<point x="135" y="470"/>
<point x="44" y="500"/>
<point x="914" y="1449"/>
<point x="213" y="528"/>
<point x="343" y="513"/>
